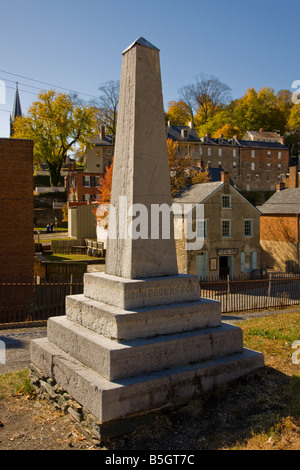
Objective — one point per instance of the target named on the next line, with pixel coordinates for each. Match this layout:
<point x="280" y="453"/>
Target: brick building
<point x="81" y="186"/>
<point x="16" y="208"/>
<point x="252" y="165"/>
<point x="280" y="227"/>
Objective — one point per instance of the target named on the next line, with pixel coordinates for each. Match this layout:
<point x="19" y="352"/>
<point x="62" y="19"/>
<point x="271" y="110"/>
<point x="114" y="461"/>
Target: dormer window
<point x="184" y="133"/>
<point x="220" y="140"/>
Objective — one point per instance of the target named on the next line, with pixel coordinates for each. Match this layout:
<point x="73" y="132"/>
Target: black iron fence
<point x="262" y="291"/>
<point x="25" y="299"/>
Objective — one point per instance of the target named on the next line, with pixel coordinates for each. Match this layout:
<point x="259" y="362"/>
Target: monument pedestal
<point x="119" y="363"/>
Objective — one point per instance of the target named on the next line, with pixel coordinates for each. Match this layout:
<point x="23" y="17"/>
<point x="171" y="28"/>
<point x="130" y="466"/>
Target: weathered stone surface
<point x="135" y="293"/>
<point x="141" y="170"/>
<point x="115" y="360"/>
<point x="109" y="400"/>
<point x="120" y="324"/>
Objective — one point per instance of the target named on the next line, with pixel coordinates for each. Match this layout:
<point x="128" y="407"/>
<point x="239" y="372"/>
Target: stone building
<point x="16" y="208"/>
<point x="253" y="165"/>
<point x="229" y="227"/>
<point x="100" y="156"/>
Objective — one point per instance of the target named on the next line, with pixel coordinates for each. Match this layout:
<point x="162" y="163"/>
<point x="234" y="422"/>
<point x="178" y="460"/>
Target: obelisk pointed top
<point x="142" y="42"/>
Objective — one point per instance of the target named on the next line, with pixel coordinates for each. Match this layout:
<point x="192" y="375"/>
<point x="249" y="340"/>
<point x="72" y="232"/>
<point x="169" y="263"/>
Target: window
<point x="248" y="228"/>
<point x="220" y="164"/>
<point x="256" y="177"/>
<point x="226" y="201"/>
<point x="252" y="166"/>
<point x="253" y="153"/>
<point x="234" y="164"/>
<point x="269" y="166"/>
<point x="200" y="150"/>
<point x="86" y="181"/>
<point x="220" y="152"/>
<point x="226" y="228"/>
<point x="97" y="181"/>
<point x="269" y="154"/>
<point x="201" y="228"/>
<point x="279" y="155"/>
<point x="209" y="152"/>
<point x="248" y="177"/>
<point x="234" y="152"/>
<point x="279" y="166"/>
<point x="86" y="197"/>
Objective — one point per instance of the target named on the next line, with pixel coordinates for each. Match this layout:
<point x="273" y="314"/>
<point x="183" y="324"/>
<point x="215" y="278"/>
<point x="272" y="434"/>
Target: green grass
<point x="69" y="257"/>
<point x="15" y="383"/>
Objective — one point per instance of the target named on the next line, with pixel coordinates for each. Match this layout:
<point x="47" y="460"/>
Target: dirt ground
<point x="249" y="413"/>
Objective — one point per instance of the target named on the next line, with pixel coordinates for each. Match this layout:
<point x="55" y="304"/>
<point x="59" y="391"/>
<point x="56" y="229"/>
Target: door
<point x="201" y="264"/>
<point x="225" y="266"/>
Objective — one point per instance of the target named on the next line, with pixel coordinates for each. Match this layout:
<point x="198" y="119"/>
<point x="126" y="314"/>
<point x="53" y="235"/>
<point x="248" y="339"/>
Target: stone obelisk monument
<point x="140" y="338"/>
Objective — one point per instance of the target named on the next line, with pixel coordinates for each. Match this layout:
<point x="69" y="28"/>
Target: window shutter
<point x="254" y="259"/>
<point x="242" y="262"/>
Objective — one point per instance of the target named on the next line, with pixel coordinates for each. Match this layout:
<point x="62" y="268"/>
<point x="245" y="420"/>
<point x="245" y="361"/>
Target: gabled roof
<point x="97" y="140"/>
<point x="174" y="133"/>
<point x="197" y="193"/>
<point x="286" y="201"/>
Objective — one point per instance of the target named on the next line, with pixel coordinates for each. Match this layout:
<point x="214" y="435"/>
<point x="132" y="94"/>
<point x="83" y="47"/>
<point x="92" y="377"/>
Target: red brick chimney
<point x="102" y="132"/>
<point x="225" y="177"/>
<point x="292" y="179"/>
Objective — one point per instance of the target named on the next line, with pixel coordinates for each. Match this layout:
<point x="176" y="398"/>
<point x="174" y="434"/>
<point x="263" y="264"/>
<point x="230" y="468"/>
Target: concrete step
<point x="123" y="325"/>
<point x="112" y="400"/>
<point x="115" y="360"/>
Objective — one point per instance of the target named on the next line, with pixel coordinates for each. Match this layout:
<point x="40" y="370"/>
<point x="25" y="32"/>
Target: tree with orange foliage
<point x="182" y="169"/>
<point x="101" y="210"/>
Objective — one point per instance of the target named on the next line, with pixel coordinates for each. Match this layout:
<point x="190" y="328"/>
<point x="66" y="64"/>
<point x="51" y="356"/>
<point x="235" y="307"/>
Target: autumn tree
<point x="179" y="113"/>
<point x="55" y="123"/>
<point x="182" y="169"/>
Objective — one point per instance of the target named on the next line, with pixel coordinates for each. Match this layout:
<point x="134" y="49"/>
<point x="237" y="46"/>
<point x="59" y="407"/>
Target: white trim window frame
<point x="226" y="228"/>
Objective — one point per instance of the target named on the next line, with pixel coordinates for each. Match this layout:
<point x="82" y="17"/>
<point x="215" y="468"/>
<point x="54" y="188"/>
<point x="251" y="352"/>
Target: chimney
<point x="102" y="132"/>
<point x="279" y="186"/>
<point x="192" y="125"/>
<point x="293" y="175"/>
<point x="225" y="177"/>
<point x="169" y="123"/>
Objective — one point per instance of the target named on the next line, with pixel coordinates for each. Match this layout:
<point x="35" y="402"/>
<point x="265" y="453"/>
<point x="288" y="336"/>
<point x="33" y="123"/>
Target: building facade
<point x="16" y="208"/>
<point x="253" y="165"/>
<point x="280" y="226"/>
<point x="229" y="229"/>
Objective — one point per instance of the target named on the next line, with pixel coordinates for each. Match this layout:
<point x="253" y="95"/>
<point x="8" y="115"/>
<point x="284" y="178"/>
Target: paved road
<point x="17" y="341"/>
<point x="17" y="347"/>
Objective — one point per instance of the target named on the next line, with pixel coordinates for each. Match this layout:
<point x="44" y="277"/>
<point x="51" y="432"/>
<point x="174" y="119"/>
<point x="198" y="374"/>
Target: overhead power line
<point x="48" y="84"/>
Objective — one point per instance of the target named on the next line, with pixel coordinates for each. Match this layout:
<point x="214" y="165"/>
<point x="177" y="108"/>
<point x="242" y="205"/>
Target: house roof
<point x="261" y="134"/>
<point x="174" y="133"/>
<point x="286" y="201"/>
<point x="197" y="193"/>
<point x="97" y="140"/>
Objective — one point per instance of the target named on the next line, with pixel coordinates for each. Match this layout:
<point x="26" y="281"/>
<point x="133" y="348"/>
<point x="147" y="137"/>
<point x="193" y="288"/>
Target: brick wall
<point x="278" y="228"/>
<point x="74" y="184"/>
<point x="16" y="208"/>
<point x="268" y="165"/>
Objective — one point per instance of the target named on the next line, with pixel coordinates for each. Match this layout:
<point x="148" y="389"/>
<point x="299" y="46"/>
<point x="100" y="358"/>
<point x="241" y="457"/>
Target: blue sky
<point x="78" y="45"/>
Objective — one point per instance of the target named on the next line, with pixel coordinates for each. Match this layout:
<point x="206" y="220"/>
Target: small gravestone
<point x="140" y="338"/>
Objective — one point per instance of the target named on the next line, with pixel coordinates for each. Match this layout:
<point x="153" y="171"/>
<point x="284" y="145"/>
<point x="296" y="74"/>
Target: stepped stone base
<point x="119" y="364"/>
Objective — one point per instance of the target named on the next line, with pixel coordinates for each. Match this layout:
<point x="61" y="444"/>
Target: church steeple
<point x="17" y="110"/>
